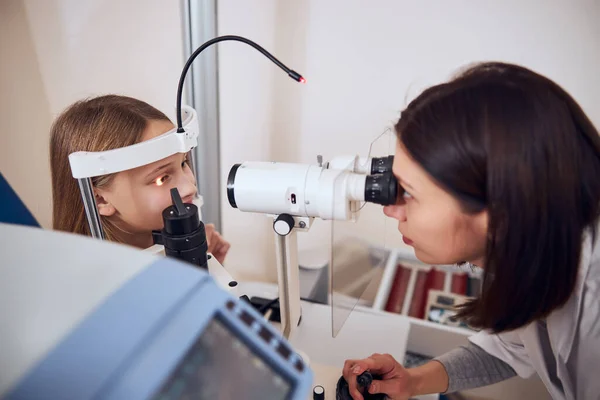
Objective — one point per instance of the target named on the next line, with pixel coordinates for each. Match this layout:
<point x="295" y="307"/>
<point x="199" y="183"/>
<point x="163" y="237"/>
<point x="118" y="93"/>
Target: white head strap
<point x="88" y="164"/>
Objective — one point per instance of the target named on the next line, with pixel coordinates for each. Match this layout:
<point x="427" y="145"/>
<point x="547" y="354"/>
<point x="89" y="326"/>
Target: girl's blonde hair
<point x="96" y="124"/>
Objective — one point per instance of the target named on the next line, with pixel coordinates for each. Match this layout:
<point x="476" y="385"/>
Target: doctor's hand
<point x="396" y="381"/>
<point x="217" y="246"/>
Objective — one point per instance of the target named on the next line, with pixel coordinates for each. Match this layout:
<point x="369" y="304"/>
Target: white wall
<point x="55" y="52"/>
<point x="246" y="102"/>
<point x="364" y="61"/>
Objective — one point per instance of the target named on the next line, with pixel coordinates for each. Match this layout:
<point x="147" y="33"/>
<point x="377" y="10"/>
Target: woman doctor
<point x="500" y="167"/>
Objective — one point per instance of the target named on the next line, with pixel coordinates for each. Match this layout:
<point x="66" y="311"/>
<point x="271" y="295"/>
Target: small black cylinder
<point x="381" y="189"/>
<point x="175" y="224"/>
<point x="318" y="393"/>
<point x="381" y="165"/>
<point x="183" y="234"/>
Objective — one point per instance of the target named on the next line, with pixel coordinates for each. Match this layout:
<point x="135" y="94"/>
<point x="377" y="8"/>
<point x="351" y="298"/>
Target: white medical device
<point x="87" y="319"/>
<point x="294" y="194"/>
<point x="333" y="191"/>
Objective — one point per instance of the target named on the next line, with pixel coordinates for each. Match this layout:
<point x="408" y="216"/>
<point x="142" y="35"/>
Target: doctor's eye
<point x="403" y="195"/>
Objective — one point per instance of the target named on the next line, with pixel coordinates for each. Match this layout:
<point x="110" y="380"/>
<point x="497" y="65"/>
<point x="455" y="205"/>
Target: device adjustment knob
<point x="284" y="224"/>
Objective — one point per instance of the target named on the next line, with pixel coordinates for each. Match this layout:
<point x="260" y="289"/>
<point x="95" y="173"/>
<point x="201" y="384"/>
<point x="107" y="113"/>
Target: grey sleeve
<point x="470" y="367"/>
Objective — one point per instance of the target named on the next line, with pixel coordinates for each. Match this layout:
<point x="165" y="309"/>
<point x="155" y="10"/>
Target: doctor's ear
<point x="105" y="208"/>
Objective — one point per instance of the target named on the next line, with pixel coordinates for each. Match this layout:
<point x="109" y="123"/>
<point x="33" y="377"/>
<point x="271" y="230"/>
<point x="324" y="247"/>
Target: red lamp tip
<point x="302" y="80"/>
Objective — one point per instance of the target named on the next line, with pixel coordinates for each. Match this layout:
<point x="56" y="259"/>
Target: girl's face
<point x="432" y="221"/>
<point x="136" y="198"/>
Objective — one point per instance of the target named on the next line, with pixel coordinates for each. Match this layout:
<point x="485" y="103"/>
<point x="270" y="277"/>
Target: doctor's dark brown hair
<point x="502" y="138"/>
<point x="97" y="124"/>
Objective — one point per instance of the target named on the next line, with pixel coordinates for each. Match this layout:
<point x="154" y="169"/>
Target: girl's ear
<point x="105" y="208"/>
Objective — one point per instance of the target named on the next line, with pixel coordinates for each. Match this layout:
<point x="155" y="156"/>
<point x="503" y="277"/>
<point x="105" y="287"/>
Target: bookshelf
<point x="405" y="285"/>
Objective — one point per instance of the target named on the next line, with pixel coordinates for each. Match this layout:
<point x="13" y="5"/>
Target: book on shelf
<point x="417" y="304"/>
<point x="395" y="300"/>
<point x="459" y="283"/>
<point x="429" y="292"/>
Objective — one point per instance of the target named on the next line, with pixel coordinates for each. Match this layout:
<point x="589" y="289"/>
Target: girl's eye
<point x="161" y="180"/>
<point x="406" y="195"/>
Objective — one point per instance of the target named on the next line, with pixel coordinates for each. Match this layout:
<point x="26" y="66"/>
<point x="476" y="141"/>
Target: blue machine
<point x="12" y="209"/>
<point x="162" y="330"/>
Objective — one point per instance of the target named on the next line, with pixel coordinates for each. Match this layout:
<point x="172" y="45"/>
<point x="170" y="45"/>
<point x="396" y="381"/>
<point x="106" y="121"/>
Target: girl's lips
<point x="407" y="240"/>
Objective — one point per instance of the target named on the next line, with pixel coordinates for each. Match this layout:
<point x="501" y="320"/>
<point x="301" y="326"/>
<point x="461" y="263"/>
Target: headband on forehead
<point x="88" y="164"/>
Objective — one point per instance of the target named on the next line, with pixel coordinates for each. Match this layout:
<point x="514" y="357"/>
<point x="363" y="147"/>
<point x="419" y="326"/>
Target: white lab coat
<point x="565" y="348"/>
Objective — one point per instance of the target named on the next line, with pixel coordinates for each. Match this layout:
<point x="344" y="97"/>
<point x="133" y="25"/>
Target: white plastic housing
<point x="360" y="165"/>
<point x="296" y="189"/>
<point x="87" y="164"/>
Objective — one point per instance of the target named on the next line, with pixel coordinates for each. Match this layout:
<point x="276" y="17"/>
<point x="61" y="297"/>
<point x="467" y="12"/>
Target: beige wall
<point x="93" y="47"/>
<point x="54" y="52"/>
<point x="24" y="113"/>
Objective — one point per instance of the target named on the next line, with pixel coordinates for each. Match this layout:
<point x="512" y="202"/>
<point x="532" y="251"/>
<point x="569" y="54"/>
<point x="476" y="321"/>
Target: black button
<point x="284" y="351"/>
<point x="265" y="334"/>
<point x="299" y="365"/>
<point x="230" y="305"/>
<point x="247" y="318"/>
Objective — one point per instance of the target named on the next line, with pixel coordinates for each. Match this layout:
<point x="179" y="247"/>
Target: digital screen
<point x="219" y="366"/>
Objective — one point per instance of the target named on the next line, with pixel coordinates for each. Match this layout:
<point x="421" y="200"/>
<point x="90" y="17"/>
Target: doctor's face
<point x="431" y="220"/>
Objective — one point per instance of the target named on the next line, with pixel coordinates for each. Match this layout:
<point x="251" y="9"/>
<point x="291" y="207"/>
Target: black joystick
<point x="183" y="235"/>
<point x="342" y="392"/>
<point x="364" y="380"/>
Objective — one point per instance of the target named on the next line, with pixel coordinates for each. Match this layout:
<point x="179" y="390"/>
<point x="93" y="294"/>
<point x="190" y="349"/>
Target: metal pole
<point x="202" y="93"/>
<point x="288" y="278"/>
<point x="91" y="208"/>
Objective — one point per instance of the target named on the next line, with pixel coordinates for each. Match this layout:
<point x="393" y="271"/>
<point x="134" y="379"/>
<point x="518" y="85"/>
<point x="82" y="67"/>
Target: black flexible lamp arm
<point x="293" y="74"/>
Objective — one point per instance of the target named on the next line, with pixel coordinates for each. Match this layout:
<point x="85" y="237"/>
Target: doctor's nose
<point x="396" y="211"/>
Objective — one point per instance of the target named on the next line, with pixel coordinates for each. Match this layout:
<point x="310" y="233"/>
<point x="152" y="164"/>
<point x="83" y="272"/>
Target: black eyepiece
<point x="381" y="165"/>
<point x="381" y="189"/>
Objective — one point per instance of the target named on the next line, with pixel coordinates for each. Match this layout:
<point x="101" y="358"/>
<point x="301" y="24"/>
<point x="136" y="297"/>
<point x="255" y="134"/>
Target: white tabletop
<point x="361" y="335"/>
